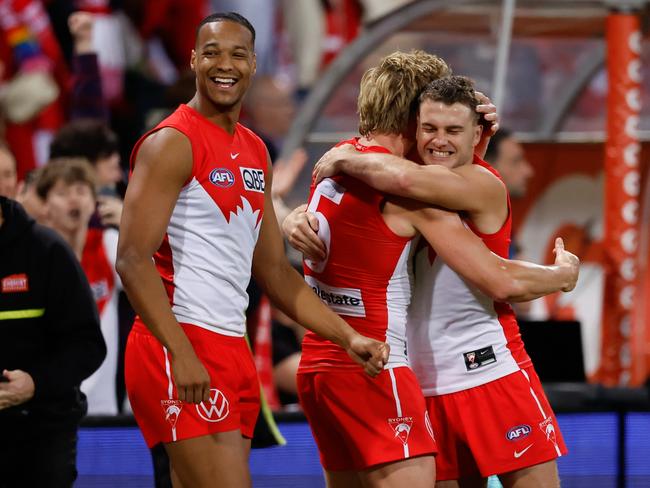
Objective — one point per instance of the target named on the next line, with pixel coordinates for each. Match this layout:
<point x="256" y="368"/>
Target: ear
<point x="254" y="64"/>
<point x="478" y="131"/>
<point x="193" y="61"/>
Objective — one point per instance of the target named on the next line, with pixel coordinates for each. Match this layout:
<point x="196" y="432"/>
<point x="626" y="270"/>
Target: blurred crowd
<point x="82" y="80"/>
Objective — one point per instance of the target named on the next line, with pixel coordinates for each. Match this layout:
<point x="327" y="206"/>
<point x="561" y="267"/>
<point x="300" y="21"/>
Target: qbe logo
<point x="222" y="177"/>
<point x="518" y="432"/>
<point x="253" y="179"/>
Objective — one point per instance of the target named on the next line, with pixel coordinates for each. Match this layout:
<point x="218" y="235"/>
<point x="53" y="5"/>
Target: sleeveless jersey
<point x="364" y="277"/>
<point x="206" y="255"/>
<point x="459" y="338"/>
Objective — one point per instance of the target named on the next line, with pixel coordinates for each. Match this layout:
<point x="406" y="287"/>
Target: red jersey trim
<point x="506" y="227"/>
<point x="383" y="226"/>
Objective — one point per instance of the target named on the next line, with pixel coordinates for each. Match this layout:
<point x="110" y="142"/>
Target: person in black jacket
<point x="50" y="341"/>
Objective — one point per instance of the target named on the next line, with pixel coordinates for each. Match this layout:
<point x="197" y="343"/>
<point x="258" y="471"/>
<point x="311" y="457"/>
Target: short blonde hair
<point x="389" y="91"/>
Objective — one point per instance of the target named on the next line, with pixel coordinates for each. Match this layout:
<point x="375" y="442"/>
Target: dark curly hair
<point x="227" y="16"/>
<point x="454" y="89"/>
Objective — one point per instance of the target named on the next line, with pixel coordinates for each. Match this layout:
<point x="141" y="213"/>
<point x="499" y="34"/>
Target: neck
<point x="226" y="118"/>
<point x="397" y="144"/>
<point x="76" y="240"/>
<point x="469" y="160"/>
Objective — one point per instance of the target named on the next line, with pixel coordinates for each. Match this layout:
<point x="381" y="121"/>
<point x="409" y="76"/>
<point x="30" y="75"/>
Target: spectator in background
<point x="507" y="156"/>
<point x="270" y="109"/>
<point x="50" y="342"/>
<point x="8" y="175"/>
<point x="37" y="78"/>
<point x="94" y="141"/>
<point x="319" y="29"/>
<point x="87" y="94"/>
<point x="40" y="91"/>
<point x="67" y="186"/>
<point x="27" y="196"/>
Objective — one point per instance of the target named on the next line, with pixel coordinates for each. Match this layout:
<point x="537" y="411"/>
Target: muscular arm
<point x="289" y="292"/>
<point x="502" y="279"/>
<point x="163" y="164"/>
<point x="469" y="187"/>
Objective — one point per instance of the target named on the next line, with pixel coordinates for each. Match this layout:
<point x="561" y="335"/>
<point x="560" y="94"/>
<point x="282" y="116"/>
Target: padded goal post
<point x="622" y="188"/>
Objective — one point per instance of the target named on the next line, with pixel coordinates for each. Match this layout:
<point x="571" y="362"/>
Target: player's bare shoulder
<point x="405" y="216"/>
<point x="483" y="175"/>
<point x="165" y="144"/>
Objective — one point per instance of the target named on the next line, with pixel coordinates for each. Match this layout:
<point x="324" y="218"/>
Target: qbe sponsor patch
<point x="253" y="179"/>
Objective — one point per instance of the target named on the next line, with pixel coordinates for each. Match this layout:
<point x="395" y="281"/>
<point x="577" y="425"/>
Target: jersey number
<point x="332" y="191"/>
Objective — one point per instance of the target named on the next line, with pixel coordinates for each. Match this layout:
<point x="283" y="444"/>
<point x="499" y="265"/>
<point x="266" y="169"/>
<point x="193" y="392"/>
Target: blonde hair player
<point x="464" y="344"/>
<point x="386" y="440"/>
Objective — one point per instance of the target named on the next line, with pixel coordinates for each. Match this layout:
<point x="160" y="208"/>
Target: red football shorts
<point x="495" y="428"/>
<point x="234" y="387"/>
<point x="359" y="421"/>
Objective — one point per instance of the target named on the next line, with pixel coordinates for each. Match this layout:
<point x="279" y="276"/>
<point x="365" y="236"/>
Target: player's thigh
<point x="342" y="479"/>
<point x="543" y="475"/>
<point x="469" y="482"/>
<point x="418" y="472"/>
<point x="200" y="461"/>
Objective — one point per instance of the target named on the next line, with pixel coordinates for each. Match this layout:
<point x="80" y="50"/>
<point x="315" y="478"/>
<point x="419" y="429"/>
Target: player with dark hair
<point x="356" y="250"/>
<point x="464" y="343"/>
<point x="197" y="220"/>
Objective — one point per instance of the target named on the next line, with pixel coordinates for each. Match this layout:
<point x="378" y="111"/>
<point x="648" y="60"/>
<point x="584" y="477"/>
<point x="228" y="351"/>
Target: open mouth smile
<point x="439" y="154"/>
<point x="223" y="82"/>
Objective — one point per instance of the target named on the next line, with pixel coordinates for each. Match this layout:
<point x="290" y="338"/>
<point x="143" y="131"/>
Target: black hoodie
<point x="49" y="325"/>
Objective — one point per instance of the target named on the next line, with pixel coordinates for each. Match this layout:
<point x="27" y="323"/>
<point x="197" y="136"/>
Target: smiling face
<point x="447" y="134"/>
<point x="224" y="62"/>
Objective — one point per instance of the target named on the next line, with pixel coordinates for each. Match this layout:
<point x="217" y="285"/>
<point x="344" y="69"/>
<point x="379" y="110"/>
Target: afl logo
<point x="222" y="177"/>
<point x="216" y="408"/>
<point x="518" y="432"/>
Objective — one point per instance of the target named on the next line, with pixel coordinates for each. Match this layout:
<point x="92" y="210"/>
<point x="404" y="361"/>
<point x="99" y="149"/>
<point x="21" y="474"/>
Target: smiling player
<point x="199" y="204"/>
<point x="486" y="403"/>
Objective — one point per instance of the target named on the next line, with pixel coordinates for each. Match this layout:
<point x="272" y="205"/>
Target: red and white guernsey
<point x="364" y="277"/>
<point x="206" y="255"/>
<point x="459" y="338"/>
<point x="98" y="263"/>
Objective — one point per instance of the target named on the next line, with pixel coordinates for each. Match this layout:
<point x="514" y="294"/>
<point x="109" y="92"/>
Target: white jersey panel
<point x="455" y="339"/>
<point x="398" y="298"/>
<point x="99" y="387"/>
<point x="212" y="258"/>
